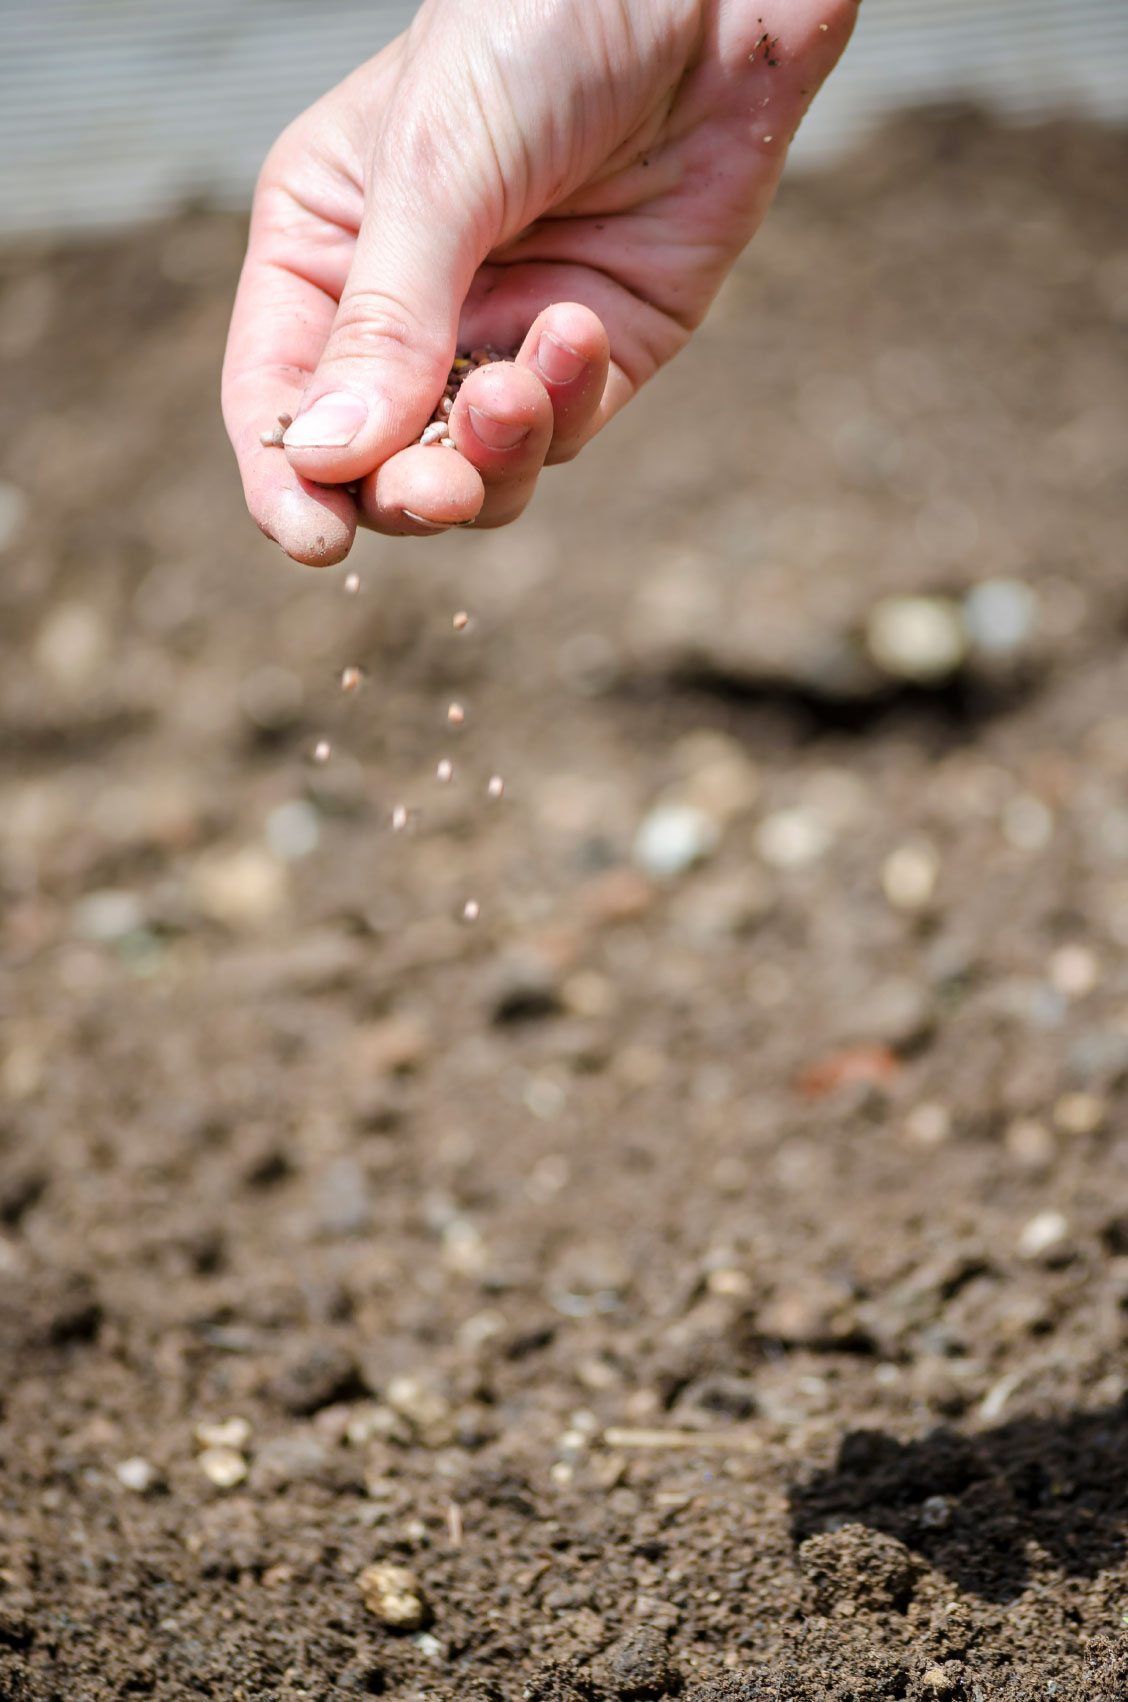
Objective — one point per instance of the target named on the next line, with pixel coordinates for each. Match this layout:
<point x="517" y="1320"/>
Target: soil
<point x="710" y="1285"/>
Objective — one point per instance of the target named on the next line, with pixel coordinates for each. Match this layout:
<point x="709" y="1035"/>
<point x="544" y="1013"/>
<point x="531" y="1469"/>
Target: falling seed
<point x="352" y="584"/>
<point x="271" y="439"/>
<point x="444" y="773"/>
<point x="322" y="751"/>
<point x="496" y="786"/>
<point x="433" y="433"/>
<point x="350" y="679"/>
<point x="399" y="819"/>
<point x="446" y="403"/>
<point x="446" y="442"/>
<point x="471" y="910"/>
<point x="456" y="715"/>
<point x="461" y="621"/>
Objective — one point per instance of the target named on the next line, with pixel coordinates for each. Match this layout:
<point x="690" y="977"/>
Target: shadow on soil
<point x="975" y="1506"/>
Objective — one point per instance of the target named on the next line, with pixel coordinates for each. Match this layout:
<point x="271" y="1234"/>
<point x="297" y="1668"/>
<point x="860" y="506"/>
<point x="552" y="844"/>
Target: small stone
<point x="920" y="639"/>
<point x="928" y="1124"/>
<point x="909" y="875"/>
<point x="108" y="916"/>
<point x="1030" y="1144"/>
<point x="246" y="888"/>
<point x="999" y="615"/>
<point x="224" y="1433"/>
<point x="394" y="1595"/>
<point x="898" y="1012"/>
<point x="1074" y="971"/>
<point x="424" y="1407"/>
<point x="792" y="839"/>
<point x="137" y="1474"/>
<point x="672" y="838"/>
<point x="223" y="1467"/>
<point x="293" y="830"/>
<point x="639" y="1665"/>
<point x="1080" y="1113"/>
<point x="317" y="1376"/>
<point x="1027" y="823"/>
<point x="1044" y="1234"/>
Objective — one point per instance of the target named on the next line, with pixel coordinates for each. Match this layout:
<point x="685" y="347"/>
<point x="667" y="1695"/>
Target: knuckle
<point x="371" y="323"/>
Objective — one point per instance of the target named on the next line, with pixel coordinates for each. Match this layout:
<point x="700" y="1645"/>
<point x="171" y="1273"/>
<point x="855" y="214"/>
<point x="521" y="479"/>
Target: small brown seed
<point x="350" y="679"/>
<point x="285" y="421"/>
<point x="461" y="621"/>
<point x="456" y="715"/>
<point x="496" y="787"/>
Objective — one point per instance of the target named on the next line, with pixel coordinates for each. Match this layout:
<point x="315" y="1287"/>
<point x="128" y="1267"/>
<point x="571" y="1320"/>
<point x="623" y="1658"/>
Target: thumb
<point x="393" y="337"/>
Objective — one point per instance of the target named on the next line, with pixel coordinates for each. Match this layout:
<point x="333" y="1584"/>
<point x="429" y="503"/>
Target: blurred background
<point x="776" y="1100"/>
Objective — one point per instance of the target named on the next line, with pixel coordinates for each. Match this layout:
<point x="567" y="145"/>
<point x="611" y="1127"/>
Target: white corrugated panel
<point x="112" y="110"/>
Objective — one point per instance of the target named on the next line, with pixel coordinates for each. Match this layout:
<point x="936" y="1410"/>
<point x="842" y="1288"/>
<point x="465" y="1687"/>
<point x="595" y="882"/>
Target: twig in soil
<point x="730" y="1441"/>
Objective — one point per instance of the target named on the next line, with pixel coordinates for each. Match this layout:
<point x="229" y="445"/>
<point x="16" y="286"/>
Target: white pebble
<point x="137" y="1474"/>
<point x="999" y="615"/>
<point x="1043" y="1232"/>
<point x="792" y="839"/>
<point x="232" y="1432"/>
<point x="928" y="1124"/>
<point x="1074" y="971"/>
<point x="444" y="773"/>
<point x="672" y="838"/>
<point x="496" y="787"/>
<point x="293" y="830"/>
<point x="223" y="1467"/>
<point x="916" y="638"/>
<point x="909" y="875"/>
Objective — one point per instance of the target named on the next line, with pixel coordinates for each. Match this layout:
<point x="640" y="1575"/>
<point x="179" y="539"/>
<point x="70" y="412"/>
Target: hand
<point x="571" y="179"/>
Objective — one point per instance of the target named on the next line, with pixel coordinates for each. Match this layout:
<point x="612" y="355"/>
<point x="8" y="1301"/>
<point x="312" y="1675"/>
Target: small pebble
<point x="350" y="679"/>
<point x="322" y="751"/>
<point x="394" y="1595"/>
<point x="223" y="1467"/>
<point x="496" y="787"/>
<point x="1029" y="1143"/>
<point x="444" y="773"/>
<point x="223" y="1433"/>
<point x="137" y="1474"/>
<point x="1080" y="1113"/>
<point x="399" y="819"/>
<point x="461" y="621"/>
<point x="352" y="584"/>
<point x="999" y="615"/>
<point x="917" y="638"/>
<point x="909" y="875"/>
<point x="1074" y="971"/>
<point x="792" y="839"/>
<point x="928" y="1124"/>
<point x="456" y="715"/>
<point x="672" y="838"/>
<point x="1043" y="1233"/>
<point x="471" y="910"/>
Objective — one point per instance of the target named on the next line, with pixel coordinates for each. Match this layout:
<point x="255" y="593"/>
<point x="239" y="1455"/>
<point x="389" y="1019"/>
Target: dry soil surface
<point x="706" y="1277"/>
